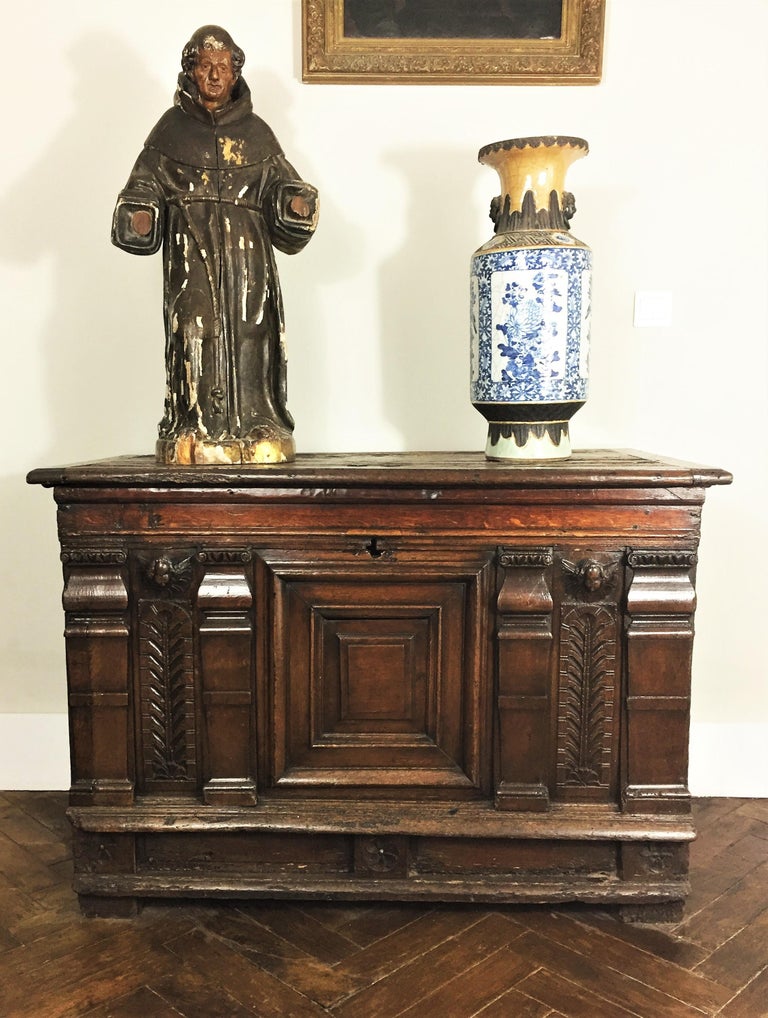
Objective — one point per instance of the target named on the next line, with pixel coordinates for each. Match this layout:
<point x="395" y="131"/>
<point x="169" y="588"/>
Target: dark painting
<point x="453" y="19"/>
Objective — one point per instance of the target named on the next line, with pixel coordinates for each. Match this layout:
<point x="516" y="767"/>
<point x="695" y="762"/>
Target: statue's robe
<point x="218" y="189"/>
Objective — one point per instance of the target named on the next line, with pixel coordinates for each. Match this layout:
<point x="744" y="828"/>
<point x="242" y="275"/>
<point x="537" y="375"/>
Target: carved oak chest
<point x="415" y="676"/>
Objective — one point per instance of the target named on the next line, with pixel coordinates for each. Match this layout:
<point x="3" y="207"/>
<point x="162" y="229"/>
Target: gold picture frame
<point x="572" y="58"/>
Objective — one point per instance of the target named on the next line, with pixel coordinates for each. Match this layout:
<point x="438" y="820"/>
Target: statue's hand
<point x="297" y="203"/>
<point x="301" y="206"/>
<point x="292" y="213"/>
<point x="137" y="223"/>
<point x="141" y="221"/>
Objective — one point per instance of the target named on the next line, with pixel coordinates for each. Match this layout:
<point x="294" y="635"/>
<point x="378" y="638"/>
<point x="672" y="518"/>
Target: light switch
<point x="653" y="309"/>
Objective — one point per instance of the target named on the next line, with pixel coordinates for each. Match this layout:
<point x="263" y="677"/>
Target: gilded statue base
<point x="191" y="450"/>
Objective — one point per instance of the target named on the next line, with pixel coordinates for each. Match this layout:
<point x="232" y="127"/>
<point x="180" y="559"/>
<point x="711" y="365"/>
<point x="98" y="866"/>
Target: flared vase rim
<point x="536" y="141"/>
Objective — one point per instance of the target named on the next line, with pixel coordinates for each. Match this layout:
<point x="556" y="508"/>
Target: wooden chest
<point x="415" y="676"/>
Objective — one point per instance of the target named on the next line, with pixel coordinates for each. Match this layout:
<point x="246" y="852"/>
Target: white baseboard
<point x="34" y="752"/>
<point x="727" y="760"/>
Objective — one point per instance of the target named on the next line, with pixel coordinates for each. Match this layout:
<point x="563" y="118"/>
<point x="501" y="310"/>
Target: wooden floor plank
<point x="29" y="833"/>
<point x="756" y="809"/>
<point x="195" y="994"/>
<point x="290" y="923"/>
<point x="250" y="985"/>
<point x="516" y="1004"/>
<point x="715" y="811"/>
<point x="73" y="941"/>
<point x="736" y="962"/>
<point x="77" y="982"/>
<point x="293" y="965"/>
<point x="474" y="988"/>
<point x="569" y="998"/>
<point x="241" y="929"/>
<point x="657" y="941"/>
<point x="50" y="809"/>
<point x="419" y="978"/>
<point x="743" y="855"/>
<point x="752" y="1001"/>
<point x="50" y="912"/>
<point x="720" y="839"/>
<point x="693" y="988"/>
<point x="335" y="916"/>
<point x="379" y="921"/>
<point x="713" y="925"/>
<point x="27" y="828"/>
<point x="590" y="973"/>
<point x="22" y="867"/>
<point x="392" y="952"/>
<point x="15" y="907"/>
<point x="141" y="1003"/>
<point x="722" y="872"/>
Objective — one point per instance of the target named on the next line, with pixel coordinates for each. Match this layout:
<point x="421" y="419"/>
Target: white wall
<point x="672" y="197"/>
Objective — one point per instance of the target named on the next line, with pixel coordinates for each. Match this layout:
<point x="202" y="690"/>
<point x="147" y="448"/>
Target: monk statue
<point x="213" y="188"/>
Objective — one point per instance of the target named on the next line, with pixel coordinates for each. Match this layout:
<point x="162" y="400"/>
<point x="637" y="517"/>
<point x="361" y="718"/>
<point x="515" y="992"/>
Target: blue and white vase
<point x="530" y="303"/>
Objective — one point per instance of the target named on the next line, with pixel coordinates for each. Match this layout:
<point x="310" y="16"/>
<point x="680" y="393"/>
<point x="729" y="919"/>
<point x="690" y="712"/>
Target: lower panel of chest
<point x="385" y="866"/>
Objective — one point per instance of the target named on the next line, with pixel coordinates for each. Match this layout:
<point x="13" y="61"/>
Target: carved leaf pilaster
<point x="167" y="691"/>
<point x="587" y="695"/>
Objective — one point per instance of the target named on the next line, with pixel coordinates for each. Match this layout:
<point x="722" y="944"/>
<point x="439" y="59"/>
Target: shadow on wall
<point x="91" y="352"/>
<point x="425" y="304"/>
<point x="103" y="339"/>
<point x="332" y="255"/>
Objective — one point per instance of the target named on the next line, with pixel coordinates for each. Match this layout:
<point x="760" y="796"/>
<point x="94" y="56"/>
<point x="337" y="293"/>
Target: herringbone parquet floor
<point x="379" y="961"/>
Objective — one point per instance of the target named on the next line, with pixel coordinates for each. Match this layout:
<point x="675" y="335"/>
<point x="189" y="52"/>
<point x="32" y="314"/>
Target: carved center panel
<point x="381" y="675"/>
<point x="376" y="682"/>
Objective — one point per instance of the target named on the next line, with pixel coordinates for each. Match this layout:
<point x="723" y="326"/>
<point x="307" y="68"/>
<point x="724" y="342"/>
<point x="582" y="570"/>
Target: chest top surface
<point x="447" y="470"/>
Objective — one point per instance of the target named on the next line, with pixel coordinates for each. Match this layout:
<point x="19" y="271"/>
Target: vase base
<point x="191" y="449"/>
<point x="547" y="440"/>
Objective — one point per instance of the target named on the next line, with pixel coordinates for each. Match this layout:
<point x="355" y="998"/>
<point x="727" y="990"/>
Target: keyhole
<point x="373" y="548"/>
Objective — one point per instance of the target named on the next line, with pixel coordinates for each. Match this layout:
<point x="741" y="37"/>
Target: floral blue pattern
<point x="530" y="311"/>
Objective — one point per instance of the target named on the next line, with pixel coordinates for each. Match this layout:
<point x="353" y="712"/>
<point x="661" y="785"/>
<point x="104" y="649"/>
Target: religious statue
<point x="213" y="188"/>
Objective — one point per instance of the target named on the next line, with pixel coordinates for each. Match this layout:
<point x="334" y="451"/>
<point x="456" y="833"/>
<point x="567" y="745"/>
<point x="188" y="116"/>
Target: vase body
<point x="530" y="303"/>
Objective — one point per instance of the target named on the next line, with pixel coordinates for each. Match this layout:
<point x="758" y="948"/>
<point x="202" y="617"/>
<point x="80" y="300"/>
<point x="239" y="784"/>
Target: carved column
<point x="95" y="603"/>
<point x="589" y="683"/>
<point x="224" y="602"/>
<point x="168" y="757"/>
<point x="167" y="697"/>
<point x="524" y="652"/>
<point x="660" y="606"/>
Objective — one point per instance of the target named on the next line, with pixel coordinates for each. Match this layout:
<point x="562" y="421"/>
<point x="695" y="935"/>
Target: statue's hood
<point x="187" y="98"/>
<point x="189" y="133"/>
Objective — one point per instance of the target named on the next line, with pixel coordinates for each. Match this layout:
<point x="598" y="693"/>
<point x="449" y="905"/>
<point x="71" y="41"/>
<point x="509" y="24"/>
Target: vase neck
<point x="532" y="173"/>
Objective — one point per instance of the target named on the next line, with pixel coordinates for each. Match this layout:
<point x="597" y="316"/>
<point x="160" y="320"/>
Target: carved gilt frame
<point x="575" y="58"/>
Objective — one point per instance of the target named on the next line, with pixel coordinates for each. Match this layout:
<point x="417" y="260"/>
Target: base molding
<point x="120" y="894"/>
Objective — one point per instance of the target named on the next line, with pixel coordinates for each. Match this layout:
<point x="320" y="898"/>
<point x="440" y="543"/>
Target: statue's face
<point x="214" y="77"/>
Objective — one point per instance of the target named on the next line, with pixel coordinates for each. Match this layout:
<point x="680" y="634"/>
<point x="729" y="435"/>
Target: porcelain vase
<point x="530" y="303"/>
